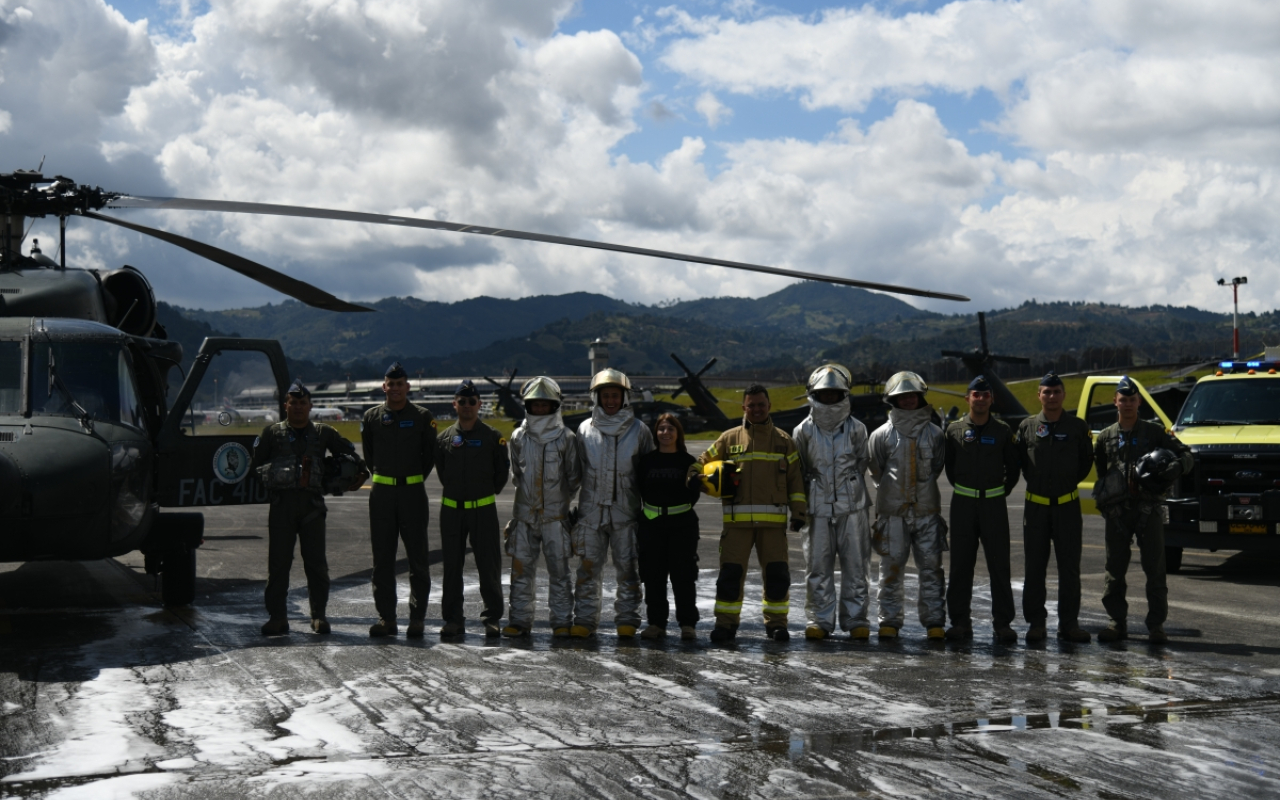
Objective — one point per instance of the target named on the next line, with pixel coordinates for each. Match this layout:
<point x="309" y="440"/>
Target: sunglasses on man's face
<point x="467" y="401"/>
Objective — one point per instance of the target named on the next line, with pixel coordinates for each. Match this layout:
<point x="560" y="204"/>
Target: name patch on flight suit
<point x="475" y="442"/>
<point x="406" y="423"/>
<point x="1060" y="437"/>
<point x="988" y="440"/>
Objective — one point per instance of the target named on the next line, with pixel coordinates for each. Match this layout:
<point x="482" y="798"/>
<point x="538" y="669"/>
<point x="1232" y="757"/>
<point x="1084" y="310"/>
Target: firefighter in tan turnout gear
<point x="609" y="444"/>
<point x="769" y="480"/>
<point x="906" y="459"/>
<point x="833" y="453"/>
<point x="546" y="471"/>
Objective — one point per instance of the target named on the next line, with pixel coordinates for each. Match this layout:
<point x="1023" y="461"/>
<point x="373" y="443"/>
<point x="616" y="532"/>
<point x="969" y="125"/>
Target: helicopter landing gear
<point x="178" y="576"/>
<point x="171" y="553"/>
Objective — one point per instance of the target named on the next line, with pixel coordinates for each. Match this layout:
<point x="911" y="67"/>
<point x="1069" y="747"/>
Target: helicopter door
<point x="205" y="448"/>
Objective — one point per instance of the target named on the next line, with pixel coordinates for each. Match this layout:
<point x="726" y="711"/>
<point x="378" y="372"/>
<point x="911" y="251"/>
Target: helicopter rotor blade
<point x="681" y="364"/>
<point x="188" y="204"/>
<point x="707" y="366"/>
<point x="982" y="331"/>
<point x="491" y="380"/>
<point x="298" y="290"/>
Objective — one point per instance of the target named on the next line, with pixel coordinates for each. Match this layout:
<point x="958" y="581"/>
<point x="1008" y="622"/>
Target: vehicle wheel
<point x="1172" y="560"/>
<point x="178" y="581"/>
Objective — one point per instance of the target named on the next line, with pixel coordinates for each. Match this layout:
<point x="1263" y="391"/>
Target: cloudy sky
<point x="1117" y="150"/>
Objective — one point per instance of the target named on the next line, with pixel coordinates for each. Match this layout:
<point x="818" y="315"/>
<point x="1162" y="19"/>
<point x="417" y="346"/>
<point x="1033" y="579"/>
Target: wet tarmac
<point x="103" y="693"/>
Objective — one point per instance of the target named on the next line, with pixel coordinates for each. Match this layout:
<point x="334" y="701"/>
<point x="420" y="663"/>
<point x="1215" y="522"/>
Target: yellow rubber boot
<point x="561" y="632"/>
<point x="581" y="632"/>
<point x="937" y="633"/>
<point x="888" y="632"/>
<point x="815" y="632"/>
<point x="626" y="631"/>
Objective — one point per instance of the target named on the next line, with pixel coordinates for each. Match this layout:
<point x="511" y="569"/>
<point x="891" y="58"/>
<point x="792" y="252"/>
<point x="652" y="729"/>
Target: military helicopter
<point x="91" y="445"/>
<point x="981" y="361"/>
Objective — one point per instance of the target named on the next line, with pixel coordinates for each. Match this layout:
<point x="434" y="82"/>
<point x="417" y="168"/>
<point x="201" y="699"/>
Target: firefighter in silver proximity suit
<point x="907" y="456"/>
<point x="610" y="443"/>
<point x="833" y="453"/>
<point x="546" y="472"/>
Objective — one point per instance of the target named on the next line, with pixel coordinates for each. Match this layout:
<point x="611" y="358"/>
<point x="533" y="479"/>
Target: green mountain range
<point x="781" y="335"/>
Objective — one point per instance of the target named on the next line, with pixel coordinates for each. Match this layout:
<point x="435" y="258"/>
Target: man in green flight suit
<point x="400" y="448"/>
<point x="1132" y="509"/>
<point x="289" y="457"/>
<point x="1056" y="455"/>
<point x="473" y="467"/>
<point x="982" y="466"/>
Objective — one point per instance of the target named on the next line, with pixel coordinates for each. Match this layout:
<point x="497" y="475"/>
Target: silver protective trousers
<point x="524" y="543"/>
<point x="592" y="544"/>
<point x="848" y="539"/>
<point x="925" y="539"/>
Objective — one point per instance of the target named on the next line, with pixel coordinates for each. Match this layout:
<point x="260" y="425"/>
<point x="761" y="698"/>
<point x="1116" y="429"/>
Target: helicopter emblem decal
<point x="231" y="463"/>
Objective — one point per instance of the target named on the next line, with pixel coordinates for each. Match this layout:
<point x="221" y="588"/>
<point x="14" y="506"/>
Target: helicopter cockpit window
<point x="95" y="376"/>
<point x="130" y="408"/>
<point x="10" y="377"/>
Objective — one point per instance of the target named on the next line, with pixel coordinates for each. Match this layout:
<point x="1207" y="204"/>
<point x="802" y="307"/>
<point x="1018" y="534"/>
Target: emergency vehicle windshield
<point x="1243" y="401"/>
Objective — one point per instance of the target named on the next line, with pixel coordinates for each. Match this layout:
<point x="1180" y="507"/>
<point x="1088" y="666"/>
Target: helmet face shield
<point x="905" y="383"/>
<point x="830" y="377"/>
<point x="540" y="388"/>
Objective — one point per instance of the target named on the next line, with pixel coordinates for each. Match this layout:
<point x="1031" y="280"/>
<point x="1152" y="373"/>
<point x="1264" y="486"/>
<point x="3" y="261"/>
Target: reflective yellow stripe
<point x="711" y="452"/>
<point x="965" y="491"/>
<point x="781" y="607"/>
<point x="1074" y="494"/>
<point x="481" y="503"/>
<point x="728" y="608"/>
<point x="740" y="457"/>
<point x="798" y="498"/>
<point x="653" y="512"/>
<point x="781" y="519"/>
<point x="386" y="481"/>
<point x="793" y="458"/>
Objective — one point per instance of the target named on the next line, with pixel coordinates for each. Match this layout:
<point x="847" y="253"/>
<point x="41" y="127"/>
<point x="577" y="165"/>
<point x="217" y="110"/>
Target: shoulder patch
<point x="502" y="441"/>
<point x="434" y="426"/>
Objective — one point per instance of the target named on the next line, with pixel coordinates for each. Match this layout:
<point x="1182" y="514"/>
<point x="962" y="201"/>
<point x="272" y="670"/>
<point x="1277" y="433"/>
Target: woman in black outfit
<point x="668" y="535"/>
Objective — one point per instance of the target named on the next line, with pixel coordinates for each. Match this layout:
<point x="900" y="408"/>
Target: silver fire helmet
<point x="905" y="383"/>
<point x="540" y="388"/>
<point x="610" y="377"/>
<point x="830" y="376"/>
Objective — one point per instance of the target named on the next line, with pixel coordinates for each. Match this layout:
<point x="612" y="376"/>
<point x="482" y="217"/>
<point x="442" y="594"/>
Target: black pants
<point x="1059" y="528"/>
<point x="1121" y="530"/>
<point x="977" y="521"/>
<point x="399" y="513"/>
<point x="668" y="549"/>
<point x="296" y="516"/>
<point x="481" y="524"/>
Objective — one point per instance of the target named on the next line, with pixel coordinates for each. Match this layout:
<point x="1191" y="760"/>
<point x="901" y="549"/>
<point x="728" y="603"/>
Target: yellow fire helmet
<point x="719" y="475"/>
